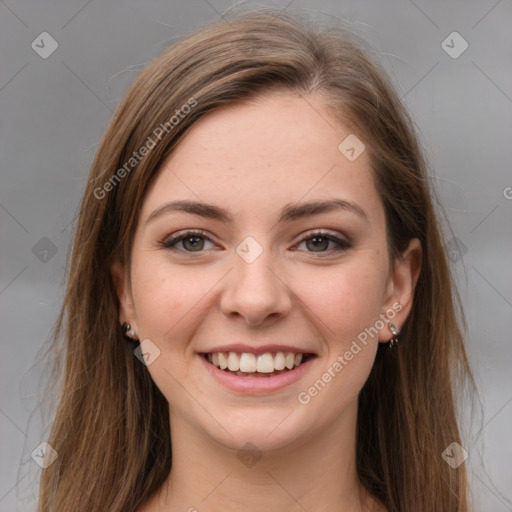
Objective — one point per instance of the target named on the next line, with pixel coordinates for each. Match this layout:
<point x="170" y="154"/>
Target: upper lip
<point x="260" y="349"/>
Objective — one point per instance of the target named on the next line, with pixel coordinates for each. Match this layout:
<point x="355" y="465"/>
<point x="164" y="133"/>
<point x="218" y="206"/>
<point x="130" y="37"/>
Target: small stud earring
<point x="394" y="339"/>
<point x="127" y="330"/>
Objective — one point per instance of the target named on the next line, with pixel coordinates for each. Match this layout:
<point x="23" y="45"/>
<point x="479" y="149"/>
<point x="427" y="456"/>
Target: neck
<point x="317" y="474"/>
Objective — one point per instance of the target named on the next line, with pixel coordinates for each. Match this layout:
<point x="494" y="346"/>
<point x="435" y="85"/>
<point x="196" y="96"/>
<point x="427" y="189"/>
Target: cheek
<point x="345" y="299"/>
<point x="346" y="303"/>
<point x="166" y="300"/>
<point x="169" y="305"/>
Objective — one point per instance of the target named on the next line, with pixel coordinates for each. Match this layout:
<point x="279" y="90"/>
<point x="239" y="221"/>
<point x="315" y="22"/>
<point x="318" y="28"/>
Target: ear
<point x="126" y="305"/>
<point x="400" y="288"/>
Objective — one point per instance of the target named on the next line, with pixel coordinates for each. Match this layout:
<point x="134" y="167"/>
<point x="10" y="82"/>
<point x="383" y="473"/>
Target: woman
<point x="259" y="312"/>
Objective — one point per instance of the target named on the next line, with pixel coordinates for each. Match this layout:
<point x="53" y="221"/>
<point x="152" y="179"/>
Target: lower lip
<point x="255" y="385"/>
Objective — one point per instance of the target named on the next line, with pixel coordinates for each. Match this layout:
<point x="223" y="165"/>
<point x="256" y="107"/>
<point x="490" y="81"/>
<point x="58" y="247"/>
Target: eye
<point x="319" y="241"/>
<point x="195" y="240"/>
<point x="191" y="241"/>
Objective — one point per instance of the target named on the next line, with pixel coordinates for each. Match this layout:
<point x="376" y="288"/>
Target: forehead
<point x="258" y="155"/>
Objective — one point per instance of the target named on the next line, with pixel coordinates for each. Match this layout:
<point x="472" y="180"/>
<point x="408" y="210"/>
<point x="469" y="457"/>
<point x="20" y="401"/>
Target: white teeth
<point x="233" y="362"/>
<point x="279" y="361"/>
<point x="246" y="362"/>
<point x="265" y="363"/>
<point x="223" y="360"/>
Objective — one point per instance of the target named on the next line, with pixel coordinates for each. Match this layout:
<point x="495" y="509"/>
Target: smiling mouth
<point x="247" y="364"/>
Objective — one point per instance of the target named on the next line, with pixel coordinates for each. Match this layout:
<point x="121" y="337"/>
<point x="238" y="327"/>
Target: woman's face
<point x="264" y="280"/>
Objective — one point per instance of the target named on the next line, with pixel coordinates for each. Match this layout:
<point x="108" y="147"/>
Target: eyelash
<point x="171" y="242"/>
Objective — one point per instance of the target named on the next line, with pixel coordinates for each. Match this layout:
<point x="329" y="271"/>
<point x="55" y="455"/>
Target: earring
<point x="127" y="330"/>
<point x="394" y="339"/>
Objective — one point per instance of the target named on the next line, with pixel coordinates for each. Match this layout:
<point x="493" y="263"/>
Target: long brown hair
<point x="111" y="429"/>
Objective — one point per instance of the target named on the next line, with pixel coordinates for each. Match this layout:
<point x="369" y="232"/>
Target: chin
<point x="265" y="429"/>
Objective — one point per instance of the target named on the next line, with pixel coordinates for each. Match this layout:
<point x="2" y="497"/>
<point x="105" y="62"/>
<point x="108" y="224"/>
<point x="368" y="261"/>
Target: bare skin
<point x="252" y="160"/>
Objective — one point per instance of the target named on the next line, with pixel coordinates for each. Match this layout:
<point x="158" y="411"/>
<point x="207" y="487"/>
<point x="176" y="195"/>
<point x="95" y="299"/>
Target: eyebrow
<point x="290" y="212"/>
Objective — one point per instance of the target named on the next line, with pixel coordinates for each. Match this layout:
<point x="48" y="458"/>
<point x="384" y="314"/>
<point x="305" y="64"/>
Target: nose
<point x="256" y="290"/>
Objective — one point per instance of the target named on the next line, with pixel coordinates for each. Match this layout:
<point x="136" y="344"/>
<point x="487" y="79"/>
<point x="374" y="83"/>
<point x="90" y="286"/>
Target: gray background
<point x="55" y="109"/>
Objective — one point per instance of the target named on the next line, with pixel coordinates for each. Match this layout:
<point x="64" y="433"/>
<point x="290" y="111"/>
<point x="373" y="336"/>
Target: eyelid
<point x="323" y="232"/>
